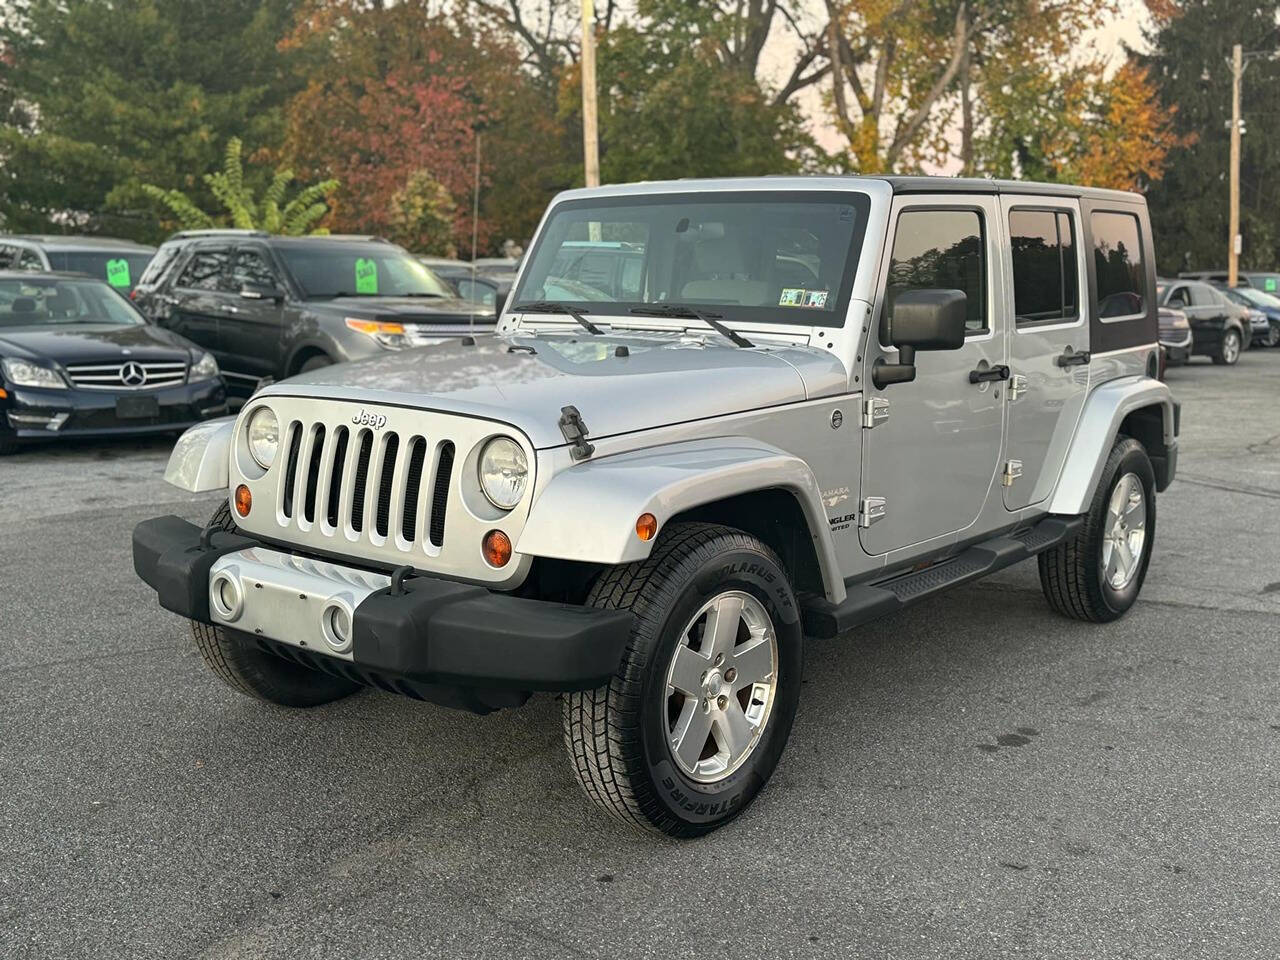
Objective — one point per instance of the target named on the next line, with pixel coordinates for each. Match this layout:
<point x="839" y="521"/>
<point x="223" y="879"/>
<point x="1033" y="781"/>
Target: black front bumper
<point x="437" y="640"/>
<point x="26" y="412"/>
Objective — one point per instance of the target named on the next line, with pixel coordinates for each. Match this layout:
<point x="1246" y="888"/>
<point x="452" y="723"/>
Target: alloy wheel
<point x="1124" y="532"/>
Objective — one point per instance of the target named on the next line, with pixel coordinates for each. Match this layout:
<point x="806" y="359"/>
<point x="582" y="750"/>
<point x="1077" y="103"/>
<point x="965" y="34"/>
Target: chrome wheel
<point x="1124" y="532"/>
<point x="721" y="686"/>
<point x="1230" y="347"/>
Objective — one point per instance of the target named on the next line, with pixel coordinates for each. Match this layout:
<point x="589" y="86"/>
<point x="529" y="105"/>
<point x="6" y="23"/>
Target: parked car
<point x="1220" y="328"/>
<point x="168" y="254"/>
<point x="489" y="290"/>
<point x="1264" y="310"/>
<point x="1175" y="336"/>
<point x="77" y="360"/>
<point x="269" y="307"/>
<point x="119" y="262"/>
<point x="1268" y="281"/>
<point x="648" y="503"/>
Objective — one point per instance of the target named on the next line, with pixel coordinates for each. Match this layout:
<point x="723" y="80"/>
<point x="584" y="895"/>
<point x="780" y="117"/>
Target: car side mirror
<point x="921" y="320"/>
<point x="260" y="291"/>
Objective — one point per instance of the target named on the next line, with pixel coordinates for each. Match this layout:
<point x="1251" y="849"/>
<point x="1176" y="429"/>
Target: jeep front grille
<point x="128" y="375"/>
<point x="364" y="485"/>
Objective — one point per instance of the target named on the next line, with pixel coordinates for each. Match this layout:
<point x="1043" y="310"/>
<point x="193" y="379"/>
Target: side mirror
<point x="921" y="320"/>
<point x="260" y="291"/>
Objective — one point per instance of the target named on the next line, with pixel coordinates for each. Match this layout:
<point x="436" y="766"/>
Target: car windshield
<point x="49" y="301"/>
<point x="326" y="270"/>
<point x="1257" y="298"/>
<point x="763" y="257"/>
<point x="121" y="270"/>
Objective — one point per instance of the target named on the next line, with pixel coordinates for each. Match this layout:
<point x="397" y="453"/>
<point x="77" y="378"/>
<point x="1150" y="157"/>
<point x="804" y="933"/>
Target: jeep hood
<point x="526" y="380"/>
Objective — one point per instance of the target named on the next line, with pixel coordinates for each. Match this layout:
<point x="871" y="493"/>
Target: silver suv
<point x="812" y="402"/>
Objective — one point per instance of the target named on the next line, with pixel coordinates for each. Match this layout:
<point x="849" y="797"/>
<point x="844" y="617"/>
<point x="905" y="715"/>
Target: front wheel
<point x="1098" y="575"/>
<point x="1273" y="334"/>
<point x="1229" y="350"/>
<point x="692" y="725"/>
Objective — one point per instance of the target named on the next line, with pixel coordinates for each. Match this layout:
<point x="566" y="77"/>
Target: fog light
<point x="646" y="526"/>
<point x="497" y="548"/>
<point x="244" y="500"/>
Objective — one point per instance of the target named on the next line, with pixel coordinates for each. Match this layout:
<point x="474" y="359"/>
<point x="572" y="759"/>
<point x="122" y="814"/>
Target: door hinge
<point x="875" y="411"/>
<point x="872" y="510"/>
<point x="1012" y="471"/>
<point x="1017" y="386"/>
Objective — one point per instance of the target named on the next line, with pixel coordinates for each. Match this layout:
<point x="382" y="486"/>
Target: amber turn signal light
<point x="243" y="500"/>
<point x="497" y="548"/>
<point x="646" y="526"/>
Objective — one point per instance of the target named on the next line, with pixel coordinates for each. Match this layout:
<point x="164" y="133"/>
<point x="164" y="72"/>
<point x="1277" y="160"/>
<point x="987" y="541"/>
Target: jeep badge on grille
<point x="366" y="419"/>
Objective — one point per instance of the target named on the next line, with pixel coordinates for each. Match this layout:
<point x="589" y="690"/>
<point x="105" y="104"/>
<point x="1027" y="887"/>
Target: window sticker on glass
<point x="366" y="276"/>
<point x="817" y="299"/>
<point x="792" y="297"/>
<point x="1270" y="284"/>
<point x="118" y="273"/>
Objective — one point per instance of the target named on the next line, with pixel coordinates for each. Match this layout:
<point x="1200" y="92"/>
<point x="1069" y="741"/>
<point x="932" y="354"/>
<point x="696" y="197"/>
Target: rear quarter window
<point x="1120" y="265"/>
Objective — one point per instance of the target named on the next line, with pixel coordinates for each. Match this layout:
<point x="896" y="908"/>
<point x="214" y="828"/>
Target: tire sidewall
<point x="702" y="804"/>
<point x="1133" y="460"/>
<point x="1226" y="338"/>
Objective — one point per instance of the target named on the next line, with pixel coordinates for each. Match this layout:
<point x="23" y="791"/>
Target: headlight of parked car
<point x="205" y="368"/>
<point x="23" y="373"/>
<point x="263" y="437"/>
<point x="504" y="472"/>
<point x="388" y="334"/>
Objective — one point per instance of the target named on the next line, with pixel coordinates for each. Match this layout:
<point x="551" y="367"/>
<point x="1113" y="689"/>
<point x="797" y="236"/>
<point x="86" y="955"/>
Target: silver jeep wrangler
<point x="717" y="418"/>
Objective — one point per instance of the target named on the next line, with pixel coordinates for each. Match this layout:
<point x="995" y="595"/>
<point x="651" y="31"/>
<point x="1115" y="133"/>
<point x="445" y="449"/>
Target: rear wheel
<point x="1229" y="350"/>
<point x="238" y="662"/>
<point x="692" y="725"/>
<point x="315" y="362"/>
<point x="1098" y="575"/>
<point x="1273" y="334"/>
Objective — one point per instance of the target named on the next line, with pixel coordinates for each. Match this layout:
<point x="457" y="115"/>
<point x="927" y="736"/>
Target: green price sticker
<point x="366" y="276"/>
<point x="1271" y="284"/>
<point x="118" y="273"/>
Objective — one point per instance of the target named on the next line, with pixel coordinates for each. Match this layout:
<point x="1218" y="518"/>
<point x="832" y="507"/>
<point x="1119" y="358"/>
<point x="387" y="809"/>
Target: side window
<point x="941" y="250"/>
<point x="204" y="270"/>
<point x="1179" y="297"/>
<point x="30" y="260"/>
<point x="250" y="267"/>
<point x="8" y="256"/>
<point x="1118" y="261"/>
<point x="1045" y="275"/>
<point x="478" y="291"/>
<point x="1203" y="295"/>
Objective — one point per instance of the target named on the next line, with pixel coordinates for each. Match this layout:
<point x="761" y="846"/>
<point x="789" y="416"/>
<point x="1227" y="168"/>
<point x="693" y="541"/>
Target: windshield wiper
<point x="677" y="310"/>
<point x="554" y="306"/>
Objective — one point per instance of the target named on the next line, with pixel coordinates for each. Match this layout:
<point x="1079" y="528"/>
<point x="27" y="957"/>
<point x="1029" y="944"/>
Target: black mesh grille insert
<point x="362" y="476"/>
<point x="413" y="487"/>
<point x="440" y="496"/>
<point x="313" y="476"/>
<point x="384" y="485"/>
<point x="335" y="481"/>
<point x="291" y="466"/>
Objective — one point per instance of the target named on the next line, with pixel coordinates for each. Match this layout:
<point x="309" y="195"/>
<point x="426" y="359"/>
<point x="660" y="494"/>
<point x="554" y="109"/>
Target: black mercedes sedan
<point x="77" y="360"/>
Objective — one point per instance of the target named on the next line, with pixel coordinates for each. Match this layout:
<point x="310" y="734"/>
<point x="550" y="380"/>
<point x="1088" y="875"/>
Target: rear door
<point x="251" y="327"/>
<point x="933" y="461"/>
<point x="1048" y="342"/>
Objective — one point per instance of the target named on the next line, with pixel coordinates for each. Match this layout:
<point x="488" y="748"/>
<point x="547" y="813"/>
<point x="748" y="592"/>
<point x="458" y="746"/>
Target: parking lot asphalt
<point x="974" y="778"/>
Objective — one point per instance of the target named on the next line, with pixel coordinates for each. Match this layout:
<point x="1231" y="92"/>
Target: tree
<point x="101" y="96"/>
<point x="272" y="214"/>
<point x="1190" y="49"/>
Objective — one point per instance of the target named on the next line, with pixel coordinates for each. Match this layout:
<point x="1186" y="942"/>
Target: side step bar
<point x="866" y="601"/>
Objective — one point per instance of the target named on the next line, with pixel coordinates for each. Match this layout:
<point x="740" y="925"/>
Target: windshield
<point x="46" y="301"/>
<point x="1257" y="298"/>
<point x="763" y="257"/>
<point x="121" y="270"/>
<point x="324" y="270"/>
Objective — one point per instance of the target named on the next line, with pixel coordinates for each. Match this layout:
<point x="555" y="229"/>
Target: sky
<point x="1109" y="39"/>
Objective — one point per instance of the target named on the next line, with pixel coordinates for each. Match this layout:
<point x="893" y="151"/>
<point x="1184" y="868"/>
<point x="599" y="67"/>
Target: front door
<point x="251" y="325"/>
<point x="195" y="302"/>
<point x="934" y="459"/>
<point x="1048" y="342"/>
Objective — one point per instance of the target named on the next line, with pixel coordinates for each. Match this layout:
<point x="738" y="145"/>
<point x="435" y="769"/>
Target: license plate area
<point x="137" y="408"/>
<point x="307" y="603"/>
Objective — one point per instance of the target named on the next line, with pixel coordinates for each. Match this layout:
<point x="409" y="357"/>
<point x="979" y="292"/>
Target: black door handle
<point x="1069" y="359"/>
<point x="997" y="372"/>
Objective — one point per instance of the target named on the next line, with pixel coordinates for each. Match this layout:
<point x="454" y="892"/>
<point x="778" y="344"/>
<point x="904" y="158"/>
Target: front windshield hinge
<point x="575" y="432"/>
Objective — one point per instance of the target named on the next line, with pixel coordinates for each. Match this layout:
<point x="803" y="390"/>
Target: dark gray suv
<point x="268" y="307"/>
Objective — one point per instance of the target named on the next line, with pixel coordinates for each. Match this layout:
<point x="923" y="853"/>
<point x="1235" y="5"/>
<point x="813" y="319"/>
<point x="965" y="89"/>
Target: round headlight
<point x="504" y="472"/>
<point x="263" y="436"/>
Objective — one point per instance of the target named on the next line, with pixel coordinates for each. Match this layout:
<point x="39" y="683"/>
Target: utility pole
<point x="590" y="137"/>
<point x="1233" y="241"/>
